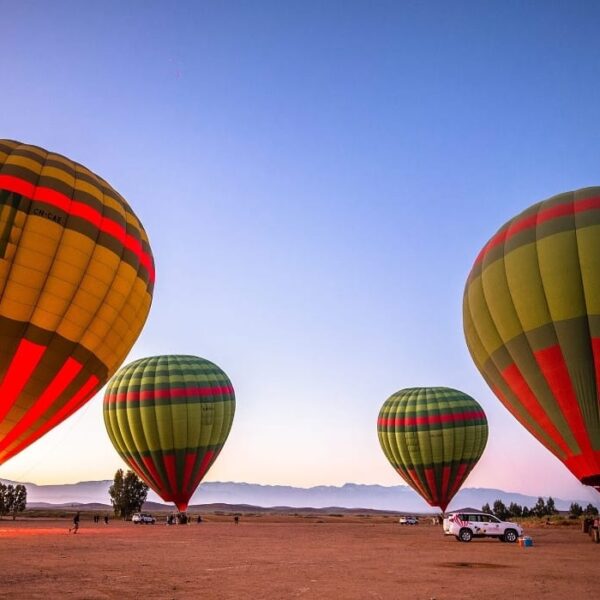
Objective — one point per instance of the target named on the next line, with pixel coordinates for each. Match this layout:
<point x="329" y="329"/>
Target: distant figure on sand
<point x="236" y="520"/>
<point x="75" y="523"/>
<point x="106" y="519"/>
<point x="199" y="519"/>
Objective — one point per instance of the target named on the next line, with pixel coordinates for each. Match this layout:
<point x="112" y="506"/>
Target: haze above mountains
<point x="394" y="498"/>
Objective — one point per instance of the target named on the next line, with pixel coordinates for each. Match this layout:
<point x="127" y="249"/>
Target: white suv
<point x="408" y="520"/>
<point x="143" y="518"/>
<point x="465" y="526"/>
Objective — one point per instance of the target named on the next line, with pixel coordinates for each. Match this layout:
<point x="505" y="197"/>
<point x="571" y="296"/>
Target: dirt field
<point x="293" y="557"/>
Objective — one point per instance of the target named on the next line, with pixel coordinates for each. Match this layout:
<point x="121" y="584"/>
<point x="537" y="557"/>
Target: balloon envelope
<point x="168" y="417"/>
<point x="76" y="281"/>
<point x="433" y="437"/>
<point x="531" y="315"/>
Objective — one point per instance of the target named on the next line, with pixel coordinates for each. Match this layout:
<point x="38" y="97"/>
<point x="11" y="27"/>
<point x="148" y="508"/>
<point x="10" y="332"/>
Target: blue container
<point x="526" y="541"/>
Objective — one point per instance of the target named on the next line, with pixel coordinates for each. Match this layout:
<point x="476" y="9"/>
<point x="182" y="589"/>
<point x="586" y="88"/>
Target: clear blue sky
<point x="316" y="179"/>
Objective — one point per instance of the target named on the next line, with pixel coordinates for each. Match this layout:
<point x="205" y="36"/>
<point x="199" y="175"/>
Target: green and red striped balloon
<point x="168" y="417"/>
<point x="433" y="437"/>
<point x="532" y="323"/>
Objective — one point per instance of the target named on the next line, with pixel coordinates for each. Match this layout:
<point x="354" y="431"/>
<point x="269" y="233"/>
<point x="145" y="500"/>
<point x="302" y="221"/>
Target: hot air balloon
<point x="433" y="437"/>
<point x="76" y="281"/>
<point x="531" y="314"/>
<point x="168" y="418"/>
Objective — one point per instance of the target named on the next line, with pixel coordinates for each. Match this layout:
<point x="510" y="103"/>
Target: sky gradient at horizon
<point x="316" y="181"/>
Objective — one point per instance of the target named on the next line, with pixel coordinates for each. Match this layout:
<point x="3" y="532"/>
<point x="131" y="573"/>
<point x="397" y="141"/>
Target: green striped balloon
<point x="168" y="418"/>
<point x="433" y="437"/>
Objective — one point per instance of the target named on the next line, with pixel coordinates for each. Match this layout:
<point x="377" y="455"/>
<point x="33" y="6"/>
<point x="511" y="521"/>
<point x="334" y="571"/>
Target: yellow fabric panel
<point x="59" y="158"/>
<point x="103" y="265"/>
<point x="27" y="276"/>
<point x="27" y="163"/>
<point x="75" y="249"/>
<point x="478" y="352"/>
<point x="482" y="319"/>
<point x="48" y="319"/>
<point x="34" y="150"/>
<point x="58" y="174"/>
<point x="4" y="213"/>
<point x="588" y="241"/>
<point x="90" y="189"/>
<point x="497" y="296"/>
<point x="30" y="266"/>
<point x="15" y="306"/>
<point x="526" y="288"/>
<point x="19" y="221"/>
<point x="98" y="329"/>
<point x="4" y="270"/>
<point x="80" y="313"/>
<point x="38" y="246"/>
<point x="124" y="280"/>
<point x="126" y="333"/>
<point x="559" y="267"/>
<point x="60" y="288"/>
<point x="11" y="250"/>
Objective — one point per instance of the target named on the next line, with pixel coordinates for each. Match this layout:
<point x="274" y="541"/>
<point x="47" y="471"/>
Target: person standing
<point x="75" y="527"/>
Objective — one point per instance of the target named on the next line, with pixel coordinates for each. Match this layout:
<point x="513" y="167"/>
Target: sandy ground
<point x="291" y="557"/>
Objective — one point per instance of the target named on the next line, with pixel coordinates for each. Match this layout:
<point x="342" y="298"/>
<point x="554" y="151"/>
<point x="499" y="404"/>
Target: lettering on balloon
<point x="46" y="214"/>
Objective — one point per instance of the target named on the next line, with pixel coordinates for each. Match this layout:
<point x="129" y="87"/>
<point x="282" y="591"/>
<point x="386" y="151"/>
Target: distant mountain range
<point x="398" y="498"/>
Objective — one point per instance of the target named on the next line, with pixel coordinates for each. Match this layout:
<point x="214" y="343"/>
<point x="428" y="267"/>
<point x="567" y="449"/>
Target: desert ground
<point x="293" y="556"/>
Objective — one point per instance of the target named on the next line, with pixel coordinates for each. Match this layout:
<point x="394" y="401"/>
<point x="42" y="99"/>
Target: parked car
<point x="143" y="518"/>
<point x="466" y="526"/>
<point x="408" y="520"/>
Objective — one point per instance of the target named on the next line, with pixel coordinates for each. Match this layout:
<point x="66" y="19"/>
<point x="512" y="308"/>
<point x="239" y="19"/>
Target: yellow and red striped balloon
<point x="76" y="281"/>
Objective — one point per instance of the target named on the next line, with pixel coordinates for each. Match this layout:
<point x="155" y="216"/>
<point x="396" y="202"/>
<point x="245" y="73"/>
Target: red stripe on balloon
<point x="202" y="469"/>
<point x="57" y="386"/>
<point x="430" y="419"/>
<point x="582" y="465"/>
<point x="430" y="477"/>
<point x="79" y="399"/>
<point x="458" y="480"/>
<point x="160" y="488"/>
<point x="171" y="470"/>
<point x="83" y="211"/>
<point x="182" y="392"/>
<point x="141" y="471"/>
<point x="190" y="461"/>
<point x="24" y="362"/>
<point x="529" y="221"/>
<point x="445" y="481"/>
<point x="552" y="364"/>
<point x="519" y="387"/>
<point x="414" y="477"/>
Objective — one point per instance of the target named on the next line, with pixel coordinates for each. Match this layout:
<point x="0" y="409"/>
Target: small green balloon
<point x="168" y="417"/>
<point x="433" y="437"/>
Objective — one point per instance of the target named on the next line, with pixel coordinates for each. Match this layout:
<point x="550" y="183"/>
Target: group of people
<point x="97" y="519"/>
<point x="178" y="519"/>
